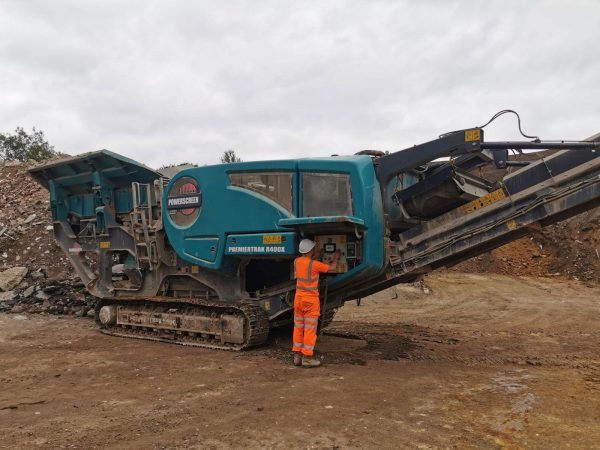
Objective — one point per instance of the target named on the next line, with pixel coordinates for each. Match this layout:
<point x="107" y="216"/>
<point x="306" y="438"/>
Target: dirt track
<point x="481" y="361"/>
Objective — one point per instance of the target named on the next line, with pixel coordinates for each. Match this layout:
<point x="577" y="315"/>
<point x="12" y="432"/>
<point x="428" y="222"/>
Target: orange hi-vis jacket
<point x="306" y="304"/>
<point x="307" y="272"/>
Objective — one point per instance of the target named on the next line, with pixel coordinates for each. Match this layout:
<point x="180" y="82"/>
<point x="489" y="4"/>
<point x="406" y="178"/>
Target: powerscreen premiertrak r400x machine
<point x="206" y="258"/>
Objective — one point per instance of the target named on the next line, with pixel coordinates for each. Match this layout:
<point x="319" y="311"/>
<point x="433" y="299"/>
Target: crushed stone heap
<point x="38" y="276"/>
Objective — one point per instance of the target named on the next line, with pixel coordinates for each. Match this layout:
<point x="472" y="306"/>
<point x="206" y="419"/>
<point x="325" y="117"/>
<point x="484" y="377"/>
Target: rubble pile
<point x="575" y="245"/>
<point x="35" y="275"/>
<point x="570" y="249"/>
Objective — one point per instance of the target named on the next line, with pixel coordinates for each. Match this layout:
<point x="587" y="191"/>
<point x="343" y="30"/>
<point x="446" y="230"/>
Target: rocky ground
<point x="473" y="361"/>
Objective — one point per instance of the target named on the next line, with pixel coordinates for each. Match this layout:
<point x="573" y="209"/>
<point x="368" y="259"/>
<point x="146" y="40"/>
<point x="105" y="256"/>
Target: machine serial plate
<point x="272" y="239"/>
<point x="484" y="201"/>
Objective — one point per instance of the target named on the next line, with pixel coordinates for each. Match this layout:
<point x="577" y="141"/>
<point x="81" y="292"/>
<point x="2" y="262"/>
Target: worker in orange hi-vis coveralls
<point x="306" y="303"/>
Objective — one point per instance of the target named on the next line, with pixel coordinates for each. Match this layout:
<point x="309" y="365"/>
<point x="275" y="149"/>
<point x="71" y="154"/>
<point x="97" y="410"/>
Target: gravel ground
<point x="465" y="361"/>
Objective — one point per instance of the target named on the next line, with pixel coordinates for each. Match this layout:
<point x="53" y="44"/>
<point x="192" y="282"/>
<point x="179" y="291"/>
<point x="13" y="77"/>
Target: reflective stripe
<point x="309" y="278"/>
<point x="299" y="318"/>
<point x="308" y="347"/>
<point x="302" y="288"/>
<point x="310" y="327"/>
<point x="310" y="264"/>
<point x="299" y="326"/>
<point x="297" y="345"/>
<point x="312" y="319"/>
<point x="305" y="280"/>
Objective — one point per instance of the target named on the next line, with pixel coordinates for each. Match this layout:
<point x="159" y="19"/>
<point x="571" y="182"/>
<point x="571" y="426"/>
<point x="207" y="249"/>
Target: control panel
<point x="328" y="245"/>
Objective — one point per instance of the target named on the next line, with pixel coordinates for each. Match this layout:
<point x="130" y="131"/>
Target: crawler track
<point x="255" y="322"/>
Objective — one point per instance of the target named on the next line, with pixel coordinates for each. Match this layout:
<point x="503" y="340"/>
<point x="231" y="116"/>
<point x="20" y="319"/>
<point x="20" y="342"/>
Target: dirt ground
<point x="470" y="361"/>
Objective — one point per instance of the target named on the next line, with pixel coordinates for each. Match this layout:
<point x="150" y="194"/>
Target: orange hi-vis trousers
<point x="306" y="303"/>
<point x="306" y="320"/>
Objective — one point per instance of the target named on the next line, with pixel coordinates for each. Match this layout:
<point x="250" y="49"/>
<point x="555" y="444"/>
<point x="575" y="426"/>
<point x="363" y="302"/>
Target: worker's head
<point x="306" y="246"/>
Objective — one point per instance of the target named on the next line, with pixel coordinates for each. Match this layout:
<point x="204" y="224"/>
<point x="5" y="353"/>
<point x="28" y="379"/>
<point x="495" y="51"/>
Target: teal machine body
<point x="259" y="211"/>
<point x="205" y="257"/>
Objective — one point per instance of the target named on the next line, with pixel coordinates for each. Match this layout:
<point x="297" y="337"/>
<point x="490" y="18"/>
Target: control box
<point x="328" y="245"/>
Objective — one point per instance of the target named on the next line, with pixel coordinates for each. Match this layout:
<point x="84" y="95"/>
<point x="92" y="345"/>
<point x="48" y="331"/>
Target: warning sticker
<point x="472" y="135"/>
<point x="484" y="201"/>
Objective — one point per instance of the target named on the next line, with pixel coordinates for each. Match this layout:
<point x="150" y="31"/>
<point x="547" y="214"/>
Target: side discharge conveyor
<point x="538" y="194"/>
<point x="205" y="258"/>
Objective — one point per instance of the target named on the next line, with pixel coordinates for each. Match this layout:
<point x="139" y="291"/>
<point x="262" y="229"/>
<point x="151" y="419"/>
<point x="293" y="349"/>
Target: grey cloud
<point x="171" y="81"/>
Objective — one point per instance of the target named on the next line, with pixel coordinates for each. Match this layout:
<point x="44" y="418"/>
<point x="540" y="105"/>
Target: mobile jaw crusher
<point x="206" y="258"/>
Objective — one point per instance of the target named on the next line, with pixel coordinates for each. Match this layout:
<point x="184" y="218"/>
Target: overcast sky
<point x="173" y="81"/>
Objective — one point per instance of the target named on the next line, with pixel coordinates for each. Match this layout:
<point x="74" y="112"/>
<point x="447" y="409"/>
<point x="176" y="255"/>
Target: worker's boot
<point x="309" y="361"/>
<point x="297" y="358"/>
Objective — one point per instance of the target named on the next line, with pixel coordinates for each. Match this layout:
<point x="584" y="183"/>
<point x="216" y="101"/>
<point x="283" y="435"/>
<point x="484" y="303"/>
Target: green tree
<point x="22" y="146"/>
<point x="229" y="156"/>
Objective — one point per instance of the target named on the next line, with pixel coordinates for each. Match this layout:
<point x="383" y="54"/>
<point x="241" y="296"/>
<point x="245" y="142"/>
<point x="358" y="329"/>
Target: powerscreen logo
<point x="184" y="201"/>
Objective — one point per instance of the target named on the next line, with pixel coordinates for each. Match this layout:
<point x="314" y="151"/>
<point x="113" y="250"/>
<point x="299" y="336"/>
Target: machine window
<point x="276" y="186"/>
<point x="326" y="194"/>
